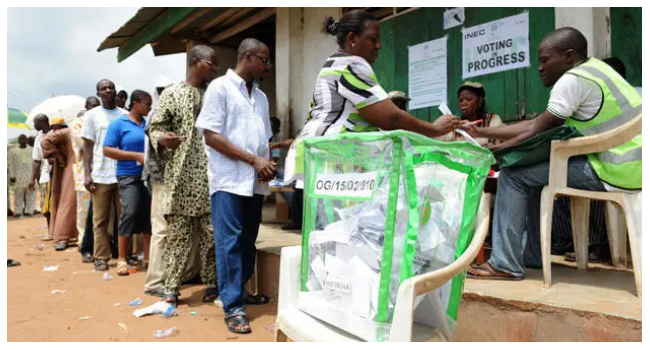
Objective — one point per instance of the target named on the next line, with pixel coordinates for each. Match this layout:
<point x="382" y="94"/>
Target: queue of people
<point x="191" y="178"/>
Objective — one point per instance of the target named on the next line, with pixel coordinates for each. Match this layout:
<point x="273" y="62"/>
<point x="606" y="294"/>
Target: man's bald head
<point x="41" y="122"/>
<point x="103" y="81"/>
<point x="92" y="102"/>
<point x="565" y="39"/>
<point x="250" y="45"/>
<point x="558" y="52"/>
<point x="200" y="52"/>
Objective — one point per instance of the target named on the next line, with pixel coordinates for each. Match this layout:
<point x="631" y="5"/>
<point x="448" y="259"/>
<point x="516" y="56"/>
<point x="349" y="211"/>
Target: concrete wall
<point x="301" y="51"/>
<point x="592" y="22"/>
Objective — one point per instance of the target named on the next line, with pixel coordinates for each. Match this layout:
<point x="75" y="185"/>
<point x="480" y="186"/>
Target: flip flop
<point x="492" y="273"/>
<point x="211" y="294"/>
<point x="236" y="323"/>
<point x="101" y="265"/>
<point x="170" y="299"/>
<point x="259" y="299"/>
<point x="122" y="268"/>
<point x="12" y="263"/>
<point x="87" y="258"/>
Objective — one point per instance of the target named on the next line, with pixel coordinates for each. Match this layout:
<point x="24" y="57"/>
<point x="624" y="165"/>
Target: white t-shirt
<point x="37" y="154"/>
<point x="575" y="97"/>
<point x="95" y="124"/>
<point x="578" y="98"/>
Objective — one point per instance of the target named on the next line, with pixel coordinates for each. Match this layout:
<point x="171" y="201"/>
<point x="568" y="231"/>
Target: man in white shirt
<point x="41" y="169"/>
<point x="586" y="94"/>
<point x="236" y="126"/>
<point x="99" y="171"/>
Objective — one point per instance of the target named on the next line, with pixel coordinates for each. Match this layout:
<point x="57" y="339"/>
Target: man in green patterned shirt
<point x="186" y="199"/>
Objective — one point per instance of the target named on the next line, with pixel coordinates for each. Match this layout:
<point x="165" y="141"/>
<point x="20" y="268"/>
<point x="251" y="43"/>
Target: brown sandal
<point x="122" y="268"/>
<point x="485" y="271"/>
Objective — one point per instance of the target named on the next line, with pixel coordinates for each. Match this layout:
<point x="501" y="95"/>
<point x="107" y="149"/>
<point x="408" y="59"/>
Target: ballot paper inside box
<point x="380" y="208"/>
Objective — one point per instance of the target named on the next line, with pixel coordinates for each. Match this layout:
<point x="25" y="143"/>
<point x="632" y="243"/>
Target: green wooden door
<point x="626" y="40"/>
<point x="512" y="94"/>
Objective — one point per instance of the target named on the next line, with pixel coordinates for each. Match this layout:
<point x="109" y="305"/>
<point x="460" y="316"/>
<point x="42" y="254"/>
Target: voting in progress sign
<point x="496" y="46"/>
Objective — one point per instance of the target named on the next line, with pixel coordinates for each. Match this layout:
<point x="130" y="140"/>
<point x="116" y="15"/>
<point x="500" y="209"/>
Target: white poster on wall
<point x="496" y="46"/>
<point x="428" y="74"/>
<point x="453" y="17"/>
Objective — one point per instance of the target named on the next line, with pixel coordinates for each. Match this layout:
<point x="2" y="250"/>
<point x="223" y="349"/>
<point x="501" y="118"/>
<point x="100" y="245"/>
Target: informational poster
<point x="496" y="46"/>
<point x="428" y="74"/>
<point x="453" y="17"/>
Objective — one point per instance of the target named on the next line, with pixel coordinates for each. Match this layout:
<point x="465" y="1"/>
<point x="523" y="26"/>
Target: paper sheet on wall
<point x="428" y="74"/>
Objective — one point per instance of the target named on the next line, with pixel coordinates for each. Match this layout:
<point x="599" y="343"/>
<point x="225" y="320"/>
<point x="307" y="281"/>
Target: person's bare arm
<point x="118" y="154"/>
<point x="530" y="128"/>
<point x="281" y="144"/>
<point x="36" y="170"/>
<point x="386" y="116"/>
<point x="88" y="162"/>
<point x="505" y="132"/>
<point x="263" y="166"/>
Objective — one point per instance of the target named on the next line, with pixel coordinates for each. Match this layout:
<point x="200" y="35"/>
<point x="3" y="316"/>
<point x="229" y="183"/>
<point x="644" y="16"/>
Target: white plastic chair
<point x="617" y="221"/>
<point x="292" y="323"/>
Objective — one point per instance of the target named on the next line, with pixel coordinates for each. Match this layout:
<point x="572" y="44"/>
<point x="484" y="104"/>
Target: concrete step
<point x="599" y="304"/>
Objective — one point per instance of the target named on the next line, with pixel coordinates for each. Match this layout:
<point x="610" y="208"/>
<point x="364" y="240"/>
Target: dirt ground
<point x="35" y="314"/>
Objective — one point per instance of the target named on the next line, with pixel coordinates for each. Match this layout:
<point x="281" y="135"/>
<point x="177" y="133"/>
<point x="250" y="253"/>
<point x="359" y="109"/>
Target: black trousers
<point x="562" y="231"/>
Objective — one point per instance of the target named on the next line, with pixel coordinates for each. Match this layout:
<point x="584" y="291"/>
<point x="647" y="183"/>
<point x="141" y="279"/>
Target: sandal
<point x="101" y="265"/>
<point x="211" y="294"/>
<point x="122" y="268"/>
<point x="12" y="263"/>
<point x="238" y="324"/>
<point x="485" y="271"/>
<point x="259" y="299"/>
<point x="170" y="299"/>
<point x="87" y="258"/>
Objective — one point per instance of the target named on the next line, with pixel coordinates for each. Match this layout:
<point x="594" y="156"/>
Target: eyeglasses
<point x="211" y="64"/>
<point x="266" y="61"/>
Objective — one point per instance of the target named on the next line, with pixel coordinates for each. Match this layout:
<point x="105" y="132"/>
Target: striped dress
<point x="345" y="84"/>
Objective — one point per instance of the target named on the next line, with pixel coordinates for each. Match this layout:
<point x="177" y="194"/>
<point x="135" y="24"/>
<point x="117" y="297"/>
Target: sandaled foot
<point x="12" y="263"/>
<point x="487" y="272"/>
<point x="211" y="294"/>
<point x="61" y="246"/>
<point x="101" y="265"/>
<point x="170" y="299"/>
<point x="259" y="299"/>
<point x="47" y="239"/>
<point x="122" y="268"/>
<point x="238" y="324"/>
<point x="87" y="258"/>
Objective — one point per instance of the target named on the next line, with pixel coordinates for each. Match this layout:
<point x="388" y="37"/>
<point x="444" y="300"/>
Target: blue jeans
<point x="515" y="230"/>
<point x="236" y="222"/>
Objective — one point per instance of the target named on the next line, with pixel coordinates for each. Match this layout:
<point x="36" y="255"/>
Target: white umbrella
<point x="61" y="106"/>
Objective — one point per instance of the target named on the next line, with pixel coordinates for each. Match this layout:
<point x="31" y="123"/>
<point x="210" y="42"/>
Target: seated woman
<point x="471" y="101"/>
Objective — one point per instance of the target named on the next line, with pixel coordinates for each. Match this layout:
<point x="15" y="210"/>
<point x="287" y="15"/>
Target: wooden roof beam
<point x="241" y="26"/>
<point x="236" y="17"/>
<point x="217" y="20"/>
<point x="193" y="17"/>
